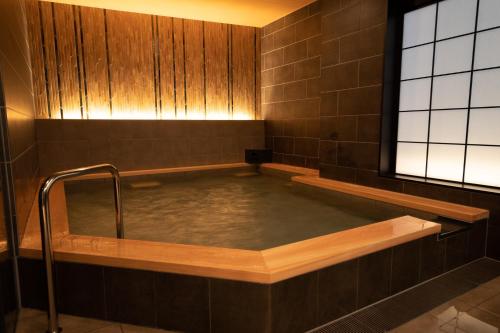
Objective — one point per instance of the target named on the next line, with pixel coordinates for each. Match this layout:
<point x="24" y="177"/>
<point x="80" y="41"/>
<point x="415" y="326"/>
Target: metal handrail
<point x="46" y="233"/>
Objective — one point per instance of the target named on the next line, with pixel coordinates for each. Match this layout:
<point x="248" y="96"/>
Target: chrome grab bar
<point x="46" y="232"/>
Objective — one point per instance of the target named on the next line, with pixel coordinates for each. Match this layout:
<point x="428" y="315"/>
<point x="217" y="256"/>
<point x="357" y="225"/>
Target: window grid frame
<point x="468" y="109"/>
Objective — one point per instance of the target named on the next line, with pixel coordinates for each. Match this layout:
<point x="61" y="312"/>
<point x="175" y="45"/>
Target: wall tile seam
<point x="291" y="44"/>
<point x="353" y="60"/>
<point x="349" y="34"/>
<point x="285" y="26"/>
<point x="351" y="88"/>
<point x="341" y="8"/>
<point x="24" y="152"/>
<point x="292" y="63"/>
<point x="20" y="78"/>
<point x="293" y="81"/>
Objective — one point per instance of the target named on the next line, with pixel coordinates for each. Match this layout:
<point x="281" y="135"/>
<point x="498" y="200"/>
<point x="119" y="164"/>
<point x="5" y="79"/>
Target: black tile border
<point x="199" y="304"/>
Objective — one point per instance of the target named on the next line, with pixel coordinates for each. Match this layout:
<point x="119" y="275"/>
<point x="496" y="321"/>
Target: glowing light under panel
<point x="419" y="26"/>
<point x="417" y="62"/>
<point x="412" y="126"/>
<point x="414" y="95"/>
<point x="483" y="165"/>
<point x="456" y="17"/>
<point x="448" y="126"/>
<point x="410" y="159"/>
<point x="483" y="126"/>
<point x="446" y="162"/>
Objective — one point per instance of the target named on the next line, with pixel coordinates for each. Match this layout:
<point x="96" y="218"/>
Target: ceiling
<point x="256" y="13"/>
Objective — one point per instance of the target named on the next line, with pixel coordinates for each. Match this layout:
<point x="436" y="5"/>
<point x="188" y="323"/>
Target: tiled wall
<point x="351" y="55"/>
<point x="198" y="304"/>
<point x="144" y="144"/>
<point x="290" y="86"/>
<point x="19" y="160"/>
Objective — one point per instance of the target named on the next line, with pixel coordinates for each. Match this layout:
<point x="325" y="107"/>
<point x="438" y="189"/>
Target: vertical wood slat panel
<point x="131" y="65"/>
<point x="166" y="67"/>
<point x="80" y="59"/>
<point x="216" y="70"/>
<point x="69" y="90"/>
<point x="47" y="24"/>
<point x="258" y="111"/>
<point x="37" y="59"/>
<point x="194" y="61"/>
<point x="96" y="84"/>
<point x="180" y="84"/>
<point x="243" y="69"/>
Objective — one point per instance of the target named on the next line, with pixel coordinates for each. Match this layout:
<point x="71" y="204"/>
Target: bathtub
<point x="271" y="240"/>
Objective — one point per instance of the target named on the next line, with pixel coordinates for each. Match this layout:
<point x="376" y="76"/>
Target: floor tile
<point x="449" y="310"/>
<point x="478" y="295"/>
<point x="424" y="324"/>
<point x="478" y="321"/>
<point x="116" y="328"/>
<point x="491" y="305"/>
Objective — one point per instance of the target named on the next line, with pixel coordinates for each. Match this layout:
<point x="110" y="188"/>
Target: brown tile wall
<point x="19" y="155"/>
<point x="350" y="46"/>
<point x="290" y="83"/>
<point x="144" y="144"/>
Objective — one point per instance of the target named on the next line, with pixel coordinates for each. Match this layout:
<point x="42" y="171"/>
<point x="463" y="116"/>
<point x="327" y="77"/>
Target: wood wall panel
<point x="95" y="63"/>
<point x="131" y="65"/>
<point x="37" y="58"/>
<point x="51" y="66"/>
<point x="243" y="70"/>
<point x="67" y="59"/>
<point x="216" y="70"/>
<point x="180" y="83"/>
<point x="194" y="62"/>
<point x="166" y="67"/>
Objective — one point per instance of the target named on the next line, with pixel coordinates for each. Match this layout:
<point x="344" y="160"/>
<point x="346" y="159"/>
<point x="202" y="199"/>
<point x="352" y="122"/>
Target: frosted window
<point x="488" y="14"/>
<point x="454" y="55"/>
<point x="486" y="88"/>
<point x="415" y="95"/>
<point x="451" y="91"/>
<point x="410" y="158"/>
<point x="413" y="126"/>
<point x="487" y="49"/>
<point x="446" y="162"/>
<point x="448" y="126"/>
<point x="456" y="17"/>
<point x="484" y="126"/>
<point x="416" y="62"/>
<point x="419" y="26"/>
<point x="483" y="165"/>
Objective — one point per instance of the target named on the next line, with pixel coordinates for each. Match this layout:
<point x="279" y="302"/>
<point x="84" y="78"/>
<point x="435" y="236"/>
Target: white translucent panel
<point x="415" y="94"/>
<point x="486" y="88"/>
<point x="448" y="126"/>
<point x="488" y="14"/>
<point x="416" y="62"/>
<point x="456" y="17"/>
<point x="483" y="165"/>
<point x="446" y="162"/>
<point x="419" y="26"/>
<point x="412" y="126"/>
<point x="484" y="126"/>
<point x="454" y="55"/>
<point x="410" y="159"/>
<point x="451" y="91"/>
<point x="487" y="49"/>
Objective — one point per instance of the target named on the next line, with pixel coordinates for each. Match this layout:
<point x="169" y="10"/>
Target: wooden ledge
<point x="266" y="267"/>
<point x="441" y="208"/>
<point x="290" y="169"/>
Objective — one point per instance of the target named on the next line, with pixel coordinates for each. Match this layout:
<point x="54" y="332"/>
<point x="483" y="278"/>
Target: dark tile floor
<point x="464" y="300"/>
